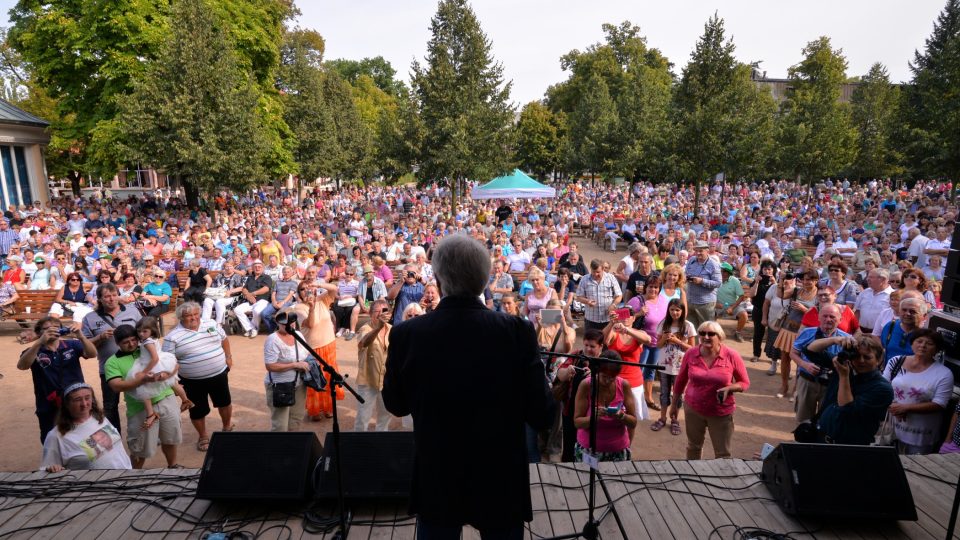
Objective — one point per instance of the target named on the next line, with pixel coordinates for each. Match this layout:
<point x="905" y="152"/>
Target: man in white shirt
<point x="939" y="245"/>
<point x="916" y="253"/>
<point x="846" y="245"/>
<point x="873" y="300"/>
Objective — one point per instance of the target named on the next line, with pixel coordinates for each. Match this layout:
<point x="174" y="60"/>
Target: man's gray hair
<point x="187" y="307"/>
<point x="881" y="273"/>
<point x="461" y="265"/>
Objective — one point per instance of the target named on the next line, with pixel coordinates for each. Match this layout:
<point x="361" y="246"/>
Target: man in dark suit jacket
<point x="471" y="378"/>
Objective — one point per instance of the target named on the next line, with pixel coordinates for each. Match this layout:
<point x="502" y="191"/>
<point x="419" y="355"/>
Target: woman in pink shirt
<point x="710" y="374"/>
<point x="616" y="414"/>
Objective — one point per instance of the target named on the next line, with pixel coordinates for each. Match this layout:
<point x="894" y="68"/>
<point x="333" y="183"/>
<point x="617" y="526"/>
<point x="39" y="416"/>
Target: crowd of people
<point x="838" y="282"/>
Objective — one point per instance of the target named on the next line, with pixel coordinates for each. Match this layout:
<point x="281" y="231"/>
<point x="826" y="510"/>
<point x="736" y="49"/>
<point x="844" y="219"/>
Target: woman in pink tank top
<point x="616" y="414"/>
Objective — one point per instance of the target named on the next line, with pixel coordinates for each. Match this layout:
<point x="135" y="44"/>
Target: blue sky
<point x="529" y="36"/>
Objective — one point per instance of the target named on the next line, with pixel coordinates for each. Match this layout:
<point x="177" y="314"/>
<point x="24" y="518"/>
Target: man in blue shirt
<point x="703" y="280"/>
<point x="54" y="363"/>
<point x="813" y="373"/>
<point x="895" y="335"/>
<point x="405" y="291"/>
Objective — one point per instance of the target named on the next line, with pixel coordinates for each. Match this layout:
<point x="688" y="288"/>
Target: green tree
<point x="593" y="130"/>
<point x="721" y="118"/>
<point x="638" y="81"/>
<point x="400" y="138"/>
<point x="353" y="137"/>
<point x="540" y="139"/>
<point x="88" y="54"/>
<point x="817" y="137"/>
<point x="300" y="80"/>
<point x="464" y="101"/>
<point x="933" y="98"/>
<point x="194" y="113"/>
<point x="875" y="112"/>
<point x="377" y="68"/>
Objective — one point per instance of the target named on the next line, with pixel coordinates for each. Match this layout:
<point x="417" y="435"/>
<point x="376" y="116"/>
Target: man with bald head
<point x="813" y="377"/>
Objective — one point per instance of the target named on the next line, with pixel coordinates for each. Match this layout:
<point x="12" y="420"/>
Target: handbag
<point x="887" y="435"/>
<point x="284" y="393"/>
<point x="215" y="293"/>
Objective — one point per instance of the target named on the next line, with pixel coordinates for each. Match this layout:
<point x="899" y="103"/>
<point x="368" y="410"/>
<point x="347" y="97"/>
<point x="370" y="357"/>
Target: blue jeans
<point x="533" y="444"/>
<point x="431" y="531"/>
<point x="266" y="316"/>
<point x="650" y="355"/>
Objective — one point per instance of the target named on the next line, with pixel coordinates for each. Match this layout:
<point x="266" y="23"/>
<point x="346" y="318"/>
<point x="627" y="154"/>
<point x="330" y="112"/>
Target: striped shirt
<point x="199" y="353"/>
<point x="7" y="239"/>
<point x="604" y="292"/>
<point x="706" y="292"/>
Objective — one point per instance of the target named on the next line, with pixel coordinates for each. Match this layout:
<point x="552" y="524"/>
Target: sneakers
<point x="252" y="334"/>
<point x="340" y="332"/>
<point x="738" y="336"/>
<point x="348" y="335"/>
<point x="773" y="368"/>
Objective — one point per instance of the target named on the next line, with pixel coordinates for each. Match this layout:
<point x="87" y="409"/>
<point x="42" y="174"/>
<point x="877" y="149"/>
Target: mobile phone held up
<point x="720" y="396"/>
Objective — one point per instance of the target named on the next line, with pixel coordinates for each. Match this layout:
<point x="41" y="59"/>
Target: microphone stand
<point x="591" y="530"/>
<point x="334" y="379"/>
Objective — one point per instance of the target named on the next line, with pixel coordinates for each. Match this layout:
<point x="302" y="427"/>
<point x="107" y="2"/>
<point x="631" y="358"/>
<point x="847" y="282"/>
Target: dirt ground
<point x="760" y="416"/>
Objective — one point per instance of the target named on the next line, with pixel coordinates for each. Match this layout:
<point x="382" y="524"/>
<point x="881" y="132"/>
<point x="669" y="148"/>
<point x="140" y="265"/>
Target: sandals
<point x="675" y="427"/>
<point x="653" y="406"/>
<point x="231" y="427"/>
<point x="658" y="425"/>
<point x="176" y="466"/>
<point x="203" y="444"/>
<point x="150" y="420"/>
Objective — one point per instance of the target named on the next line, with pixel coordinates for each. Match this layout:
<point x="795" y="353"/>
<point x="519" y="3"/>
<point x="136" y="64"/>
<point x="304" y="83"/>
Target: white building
<point x="23" y="171"/>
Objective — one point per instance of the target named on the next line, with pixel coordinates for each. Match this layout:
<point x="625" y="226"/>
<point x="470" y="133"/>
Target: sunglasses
<point x="708" y="334"/>
<point x="158" y="276"/>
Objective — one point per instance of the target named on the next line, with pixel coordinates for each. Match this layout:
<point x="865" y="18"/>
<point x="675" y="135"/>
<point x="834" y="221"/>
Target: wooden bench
<point x="32" y="305"/>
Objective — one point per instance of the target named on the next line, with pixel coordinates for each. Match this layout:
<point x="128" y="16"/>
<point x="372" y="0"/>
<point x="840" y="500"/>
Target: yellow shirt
<point x="372" y="360"/>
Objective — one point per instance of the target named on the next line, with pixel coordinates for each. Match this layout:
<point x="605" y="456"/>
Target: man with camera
<point x="405" y="291"/>
<point x="54" y="362"/>
<point x="814" y="369"/>
<point x="858" y="395"/>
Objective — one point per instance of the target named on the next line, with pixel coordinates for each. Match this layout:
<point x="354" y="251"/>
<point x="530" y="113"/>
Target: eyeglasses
<point x="74" y="279"/>
<point x="708" y="334"/>
<point x="158" y="276"/>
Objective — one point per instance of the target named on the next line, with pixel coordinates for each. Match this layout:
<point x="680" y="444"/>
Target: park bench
<point x="31" y="306"/>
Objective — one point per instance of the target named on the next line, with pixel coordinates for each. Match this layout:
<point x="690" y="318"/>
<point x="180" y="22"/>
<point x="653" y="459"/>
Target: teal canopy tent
<point x="514" y="186"/>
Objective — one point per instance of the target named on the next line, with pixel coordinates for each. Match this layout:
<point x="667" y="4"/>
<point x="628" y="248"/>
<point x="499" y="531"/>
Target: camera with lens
<point x="845" y="356"/>
<point x="411" y="274"/>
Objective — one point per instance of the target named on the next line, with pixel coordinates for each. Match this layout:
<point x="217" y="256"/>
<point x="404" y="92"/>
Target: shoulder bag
<point x="886" y="435"/>
<point x="284" y="393"/>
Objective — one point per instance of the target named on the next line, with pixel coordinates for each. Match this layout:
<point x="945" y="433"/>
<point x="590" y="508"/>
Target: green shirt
<point x="117" y="368"/>
<point x="796" y="255"/>
<point x="729" y="292"/>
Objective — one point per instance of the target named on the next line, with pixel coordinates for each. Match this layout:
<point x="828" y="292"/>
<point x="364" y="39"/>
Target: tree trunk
<point x="74" y="177"/>
<point x="696" y="197"/>
<point x="191" y="193"/>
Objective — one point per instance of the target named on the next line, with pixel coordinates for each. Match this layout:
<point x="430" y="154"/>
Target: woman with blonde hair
<point x="537" y="298"/>
<point x="674" y="284"/>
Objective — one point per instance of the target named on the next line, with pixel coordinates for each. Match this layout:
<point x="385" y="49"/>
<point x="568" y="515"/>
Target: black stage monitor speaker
<point x="245" y="465"/>
<point x="376" y="465"/>
<point x="839" y="481"/>
<point x="950" y="293"/>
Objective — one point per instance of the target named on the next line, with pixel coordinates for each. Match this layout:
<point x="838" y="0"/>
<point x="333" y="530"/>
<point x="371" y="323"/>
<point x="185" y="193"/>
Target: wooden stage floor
<point x="655" y="499"/>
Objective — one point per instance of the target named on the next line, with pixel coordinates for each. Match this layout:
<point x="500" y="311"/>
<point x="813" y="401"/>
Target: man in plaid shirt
<point x="598" y="291"/>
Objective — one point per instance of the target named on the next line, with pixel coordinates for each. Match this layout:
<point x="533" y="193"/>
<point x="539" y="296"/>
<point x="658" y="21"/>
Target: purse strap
<point x="296" y="355"/>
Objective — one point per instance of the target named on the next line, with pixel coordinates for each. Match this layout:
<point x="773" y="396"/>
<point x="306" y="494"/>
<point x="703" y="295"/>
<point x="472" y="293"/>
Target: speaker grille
<point x="376" y="465"/>
<point x="253" y="465"/>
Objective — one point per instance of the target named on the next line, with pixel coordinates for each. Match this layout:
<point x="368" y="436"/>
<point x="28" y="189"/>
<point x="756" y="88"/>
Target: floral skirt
<point x="319" y="402"/>
<point x="579" y="451"/>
